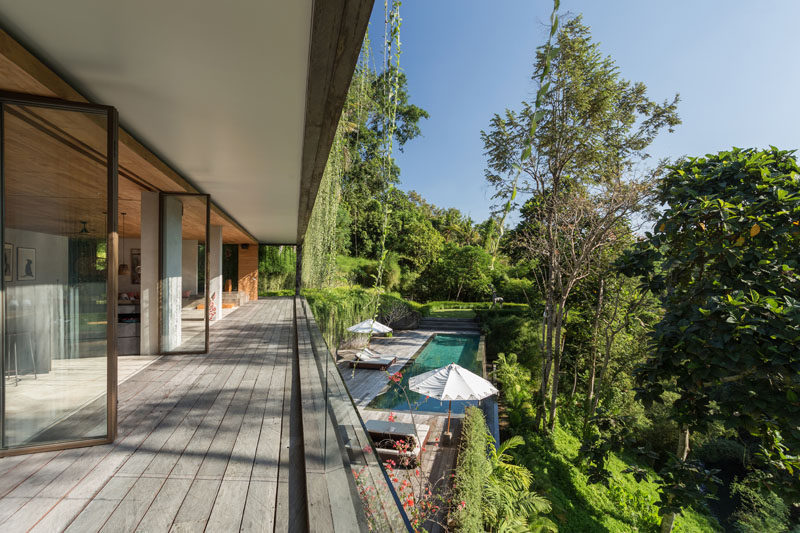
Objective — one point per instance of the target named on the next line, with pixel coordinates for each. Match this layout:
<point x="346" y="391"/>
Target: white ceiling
<point x="217" y="88"/>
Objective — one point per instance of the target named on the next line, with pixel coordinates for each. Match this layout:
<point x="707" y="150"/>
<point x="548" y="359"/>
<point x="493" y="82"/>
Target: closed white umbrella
<point x="451" y="382"/>
<point x="369" y="326"/>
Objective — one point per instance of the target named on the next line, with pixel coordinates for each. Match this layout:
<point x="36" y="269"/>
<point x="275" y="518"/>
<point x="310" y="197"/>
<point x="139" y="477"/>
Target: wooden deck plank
<point x="204" y="443"/>
<point x="163" y="509"/>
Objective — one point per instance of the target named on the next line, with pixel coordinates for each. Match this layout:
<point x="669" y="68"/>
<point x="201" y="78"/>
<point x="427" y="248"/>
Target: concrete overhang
<point x="236" y="99"/>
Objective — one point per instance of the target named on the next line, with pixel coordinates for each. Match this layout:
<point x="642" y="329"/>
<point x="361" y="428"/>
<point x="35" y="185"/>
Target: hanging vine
<point x="391" y="89"/>
<point x="320" y="247"/>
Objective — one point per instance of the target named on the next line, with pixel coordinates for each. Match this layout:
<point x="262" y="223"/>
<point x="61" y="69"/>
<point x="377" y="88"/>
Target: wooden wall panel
<point x="248" y="271"/>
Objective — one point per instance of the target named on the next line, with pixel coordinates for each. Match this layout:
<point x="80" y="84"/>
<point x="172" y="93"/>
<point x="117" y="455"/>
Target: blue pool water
<point x="440" y="351"/>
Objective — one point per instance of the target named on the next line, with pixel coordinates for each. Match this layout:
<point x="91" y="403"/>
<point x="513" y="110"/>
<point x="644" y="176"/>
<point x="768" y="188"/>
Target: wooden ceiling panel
<point x="139" y="168"/>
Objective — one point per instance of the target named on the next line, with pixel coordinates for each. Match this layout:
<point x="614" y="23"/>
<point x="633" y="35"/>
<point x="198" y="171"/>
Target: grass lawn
<point x="452" y="313"/>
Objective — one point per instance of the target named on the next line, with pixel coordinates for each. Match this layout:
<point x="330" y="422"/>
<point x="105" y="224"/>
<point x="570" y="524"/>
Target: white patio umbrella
<point x="369" y="326"/>
<point x="450" y="383"/>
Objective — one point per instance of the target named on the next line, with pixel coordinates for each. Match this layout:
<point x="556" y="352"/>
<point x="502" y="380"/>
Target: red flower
<point x="391" y="417"/>
<point x="397" y="377"/>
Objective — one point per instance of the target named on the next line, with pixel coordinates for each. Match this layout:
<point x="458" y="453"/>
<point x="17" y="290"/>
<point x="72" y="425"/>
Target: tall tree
<point x="724" y="261"/>
<point x="366" y="174"/>
<point x="578" y="164"/>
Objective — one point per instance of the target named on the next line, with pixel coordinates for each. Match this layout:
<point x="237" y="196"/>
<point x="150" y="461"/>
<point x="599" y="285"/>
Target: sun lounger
<point x="397" y="441"/>
<point x="372" y="361"/>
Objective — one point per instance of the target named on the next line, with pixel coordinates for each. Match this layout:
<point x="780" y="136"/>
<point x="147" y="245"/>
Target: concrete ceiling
<point x="216" y="89"/>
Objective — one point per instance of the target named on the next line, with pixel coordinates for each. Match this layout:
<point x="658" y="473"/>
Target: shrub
<point x="516" y="388"/>
<point x="759" y="509"/>
<point x="518" y="290"/>
<point x="471" y="472"/>
<point x="491" y="492"/>
<point x="338" y="308"/>
<point x="511" y="333"/>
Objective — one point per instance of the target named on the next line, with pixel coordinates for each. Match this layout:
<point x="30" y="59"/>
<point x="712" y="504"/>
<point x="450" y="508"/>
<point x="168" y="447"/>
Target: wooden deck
<point x="365" y="384"/>
<point x="203" y="444"/>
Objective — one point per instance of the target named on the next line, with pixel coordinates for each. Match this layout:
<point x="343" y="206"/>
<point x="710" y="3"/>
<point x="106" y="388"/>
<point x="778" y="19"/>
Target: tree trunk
<point x="559" y="316"/>
<point x="668" y="520"/>
<point x="595" y="327"/>
<point x="603" y="370"/>
<point x="547" y="361"/>
<point x="574" y="379"/>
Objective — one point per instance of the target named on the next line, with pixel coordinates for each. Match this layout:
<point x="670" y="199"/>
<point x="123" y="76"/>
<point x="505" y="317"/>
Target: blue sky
<point x="735" y="63"/>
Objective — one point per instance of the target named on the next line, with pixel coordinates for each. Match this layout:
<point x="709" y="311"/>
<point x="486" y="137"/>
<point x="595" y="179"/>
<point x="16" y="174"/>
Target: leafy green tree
<point x="460" y="273"/>
<point x="410" y="233"/>
<point x="724" y="261"/>
<point x="577" y="154"/>
<point x="366" y="119"/>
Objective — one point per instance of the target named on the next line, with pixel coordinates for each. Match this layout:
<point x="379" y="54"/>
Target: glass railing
<point x="338" y="447"/>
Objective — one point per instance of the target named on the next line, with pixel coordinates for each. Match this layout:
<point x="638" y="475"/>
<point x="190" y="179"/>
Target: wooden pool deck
<point x="365" y="384"/>
<point x="203" y="444"/>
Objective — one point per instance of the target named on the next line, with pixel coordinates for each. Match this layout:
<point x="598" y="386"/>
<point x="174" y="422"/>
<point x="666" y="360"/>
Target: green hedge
<point x="475" y="306"/>
<point x="337" y="309"/>
<point x="473" y="466"/>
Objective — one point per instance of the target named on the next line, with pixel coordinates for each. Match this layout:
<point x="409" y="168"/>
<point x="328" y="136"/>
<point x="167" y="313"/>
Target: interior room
<point x="56" y="273"/>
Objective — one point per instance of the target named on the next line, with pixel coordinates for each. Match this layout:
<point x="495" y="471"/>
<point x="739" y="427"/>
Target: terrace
<point x="206" y="442"/>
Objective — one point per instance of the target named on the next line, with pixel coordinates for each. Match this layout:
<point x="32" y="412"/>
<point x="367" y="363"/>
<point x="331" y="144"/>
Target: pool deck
<point x="365" y="384"/>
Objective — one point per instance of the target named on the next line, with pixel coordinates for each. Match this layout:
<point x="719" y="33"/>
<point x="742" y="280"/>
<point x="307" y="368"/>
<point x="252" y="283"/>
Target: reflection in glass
<point x="55" y="275"/>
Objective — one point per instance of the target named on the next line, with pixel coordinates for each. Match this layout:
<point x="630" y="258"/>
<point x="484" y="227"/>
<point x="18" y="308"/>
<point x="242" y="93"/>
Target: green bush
<point x="581" y="507"/>
<point x="516" y="388"/>
<point x="471" y="473"/>
<point x="759" y="509"/>
<point x="511" y="333"/>
<point x="517" y="290"/>
<point x="480" y="308"/>
<point x="336" y="309"/>
<point x="361" y="271"/>
<point x="722" y="451"/>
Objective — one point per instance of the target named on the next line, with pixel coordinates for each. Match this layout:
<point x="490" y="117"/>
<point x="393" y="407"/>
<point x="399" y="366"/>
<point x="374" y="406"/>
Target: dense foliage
<point x="491" y="492"/>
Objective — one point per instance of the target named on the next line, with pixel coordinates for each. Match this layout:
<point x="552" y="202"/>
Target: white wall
<point x="36" y="307"/>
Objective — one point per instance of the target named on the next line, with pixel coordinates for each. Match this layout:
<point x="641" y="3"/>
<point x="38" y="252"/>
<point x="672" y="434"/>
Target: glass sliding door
<point x="184" y="311"/>
<point x="59" y="172"/>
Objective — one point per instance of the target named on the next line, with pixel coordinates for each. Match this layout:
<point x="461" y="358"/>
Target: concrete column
<point x="189" y="268"/>
<point x="149" y="275"/>
<point x="171" y="285"/>
<point x="215" y="268"/>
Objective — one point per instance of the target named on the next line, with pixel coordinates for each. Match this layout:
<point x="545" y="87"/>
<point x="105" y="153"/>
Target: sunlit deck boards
<point x="202" y="441"/>
<point x="365" y="384"/>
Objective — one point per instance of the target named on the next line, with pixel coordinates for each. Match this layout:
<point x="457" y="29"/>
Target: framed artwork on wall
<point x="26" y="264"/>
<point x="8" y="262"/>
<point x="136" y="266"/>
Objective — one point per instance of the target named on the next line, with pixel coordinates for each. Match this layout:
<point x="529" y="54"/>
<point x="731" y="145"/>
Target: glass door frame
<point x="161" y="196"/>
<point x="112" y="162"/>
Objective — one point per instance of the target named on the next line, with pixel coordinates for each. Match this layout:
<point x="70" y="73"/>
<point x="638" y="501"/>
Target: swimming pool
<point x="442" y="350"/>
